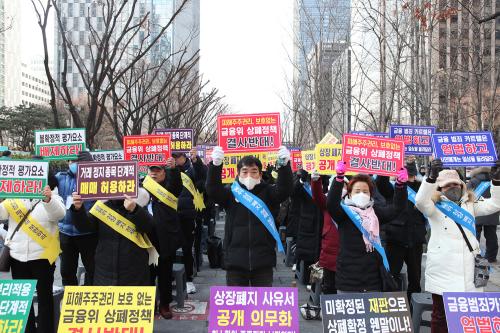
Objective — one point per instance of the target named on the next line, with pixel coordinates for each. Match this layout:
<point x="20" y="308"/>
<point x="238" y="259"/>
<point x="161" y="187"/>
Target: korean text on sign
<point x="371" y="312"/>
<point x="147" y="149"/>
<point x="472" y="312"/>
<point x="60" y="144"/>
<point x="181" y="139"/>
<point x="465" y="149"/>
<point x="326" y="157"/>
<point x="107" y="180"/>
<point x="243" y="309"/>
<point x="296" y="159"/>
<point x="107" y="309"/>
<point x="308" y="160"/>
<point x="379" y="156"/>
<point x="249" y="132"/>
<point x="417" y="139"/>
<point x="107" y="155"/>
<point x="15" y="304"/>
<point x="23" y="178"/>
<point x="230" y="164"/>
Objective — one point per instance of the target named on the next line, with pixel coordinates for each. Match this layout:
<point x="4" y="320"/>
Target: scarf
<point x="370" y="222"/>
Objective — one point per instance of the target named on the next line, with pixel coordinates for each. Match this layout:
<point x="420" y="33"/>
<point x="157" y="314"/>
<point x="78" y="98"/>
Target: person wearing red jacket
<point x="329" y="238"/>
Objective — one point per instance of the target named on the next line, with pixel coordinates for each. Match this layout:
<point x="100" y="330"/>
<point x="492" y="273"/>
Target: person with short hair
<point x="249" y="248"/>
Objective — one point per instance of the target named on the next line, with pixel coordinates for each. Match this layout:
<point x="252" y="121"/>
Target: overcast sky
<point x="245" y="45"/>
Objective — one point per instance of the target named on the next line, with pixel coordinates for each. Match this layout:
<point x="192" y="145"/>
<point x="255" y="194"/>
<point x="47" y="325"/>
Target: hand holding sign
<point x="129" y="203"/>
<point x="315" y="175"/>
<point x="77" y="201"/>
<point x="340" y="168"/>
<point x="47" y="193"/>
<point x="283" y="156"/>
<point x="495" y="171"/>
<point x="217" y="156"/>
<point x="436" y="168"/>
<point x="402" y="176"/>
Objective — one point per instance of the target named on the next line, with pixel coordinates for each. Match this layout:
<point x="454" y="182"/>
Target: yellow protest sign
<point x="308" y="160"/>
<point x="326" y="158"/>
<point x="89" y="309"/>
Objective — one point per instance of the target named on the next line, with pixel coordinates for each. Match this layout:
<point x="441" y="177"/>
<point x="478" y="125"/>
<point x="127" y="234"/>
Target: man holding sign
<point x="250" y="231"/>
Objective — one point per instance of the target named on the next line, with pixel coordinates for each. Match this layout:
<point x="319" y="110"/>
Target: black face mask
<point x="453" y="194"/>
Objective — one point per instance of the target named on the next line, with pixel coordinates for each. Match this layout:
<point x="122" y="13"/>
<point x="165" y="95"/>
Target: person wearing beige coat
<point x="450" y="263"/>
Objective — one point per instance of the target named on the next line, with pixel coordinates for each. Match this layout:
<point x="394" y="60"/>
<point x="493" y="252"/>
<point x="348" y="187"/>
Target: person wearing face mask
<point x="249" y="244"/>
<point x="452" y="247"/>
<point x="404" y="236"/>
<point x="74" y="244"/>
<point x="358" y="263"/>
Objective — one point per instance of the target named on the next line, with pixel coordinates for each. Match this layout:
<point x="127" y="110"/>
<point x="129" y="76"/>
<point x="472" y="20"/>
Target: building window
<point x="70" y="9"/>
<point x="82" y="10"/>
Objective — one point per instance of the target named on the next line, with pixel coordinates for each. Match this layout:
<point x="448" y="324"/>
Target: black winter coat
<point x="310" y="225"/>
<point x="167" y="236"/>
<point x="118" y="261"/>
<point x="247" y="243"/>
<point x="358" y="270"/>
<point x="408" y="227"/>
<point x="478" y="176"/>
<point x="197" y="173"/>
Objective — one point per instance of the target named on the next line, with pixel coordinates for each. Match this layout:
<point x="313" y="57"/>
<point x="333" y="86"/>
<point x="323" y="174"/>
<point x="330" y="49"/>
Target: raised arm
<point x="384" y="187"/>
<point x="492" y="204"/>
<point x="174" y="181"/>
<point x="423" y="199"/>
<point x="335" y="198"/>
<point x="283" y="188"/>
<point x="318" y="196"/>
<point x="215" y="189"/>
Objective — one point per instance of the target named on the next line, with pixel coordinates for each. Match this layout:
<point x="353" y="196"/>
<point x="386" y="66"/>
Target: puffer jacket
<point x="66" y="184"/>
<point x="185" y="207"/>
<point x="450" y="264"/>
<point x="247" y="243"/>
<point x="118" y="260"/>
<point x="167" y="236"/>
<point x="310" y="224"/>
<point x="358" y="270"/>
<point x="22" y="247"/>
<point x="478" y="176"/>
<point x="329" y="234"/>
<point x="408" y="228"/>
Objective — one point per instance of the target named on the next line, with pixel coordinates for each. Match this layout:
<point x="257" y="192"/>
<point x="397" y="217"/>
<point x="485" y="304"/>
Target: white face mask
<point x="360" y="200"/>
<point x="249" y="182"/>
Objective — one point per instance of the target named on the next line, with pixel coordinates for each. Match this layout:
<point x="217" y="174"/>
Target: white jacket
<point x="22" y="247"/>
<point x="450" y="264"/>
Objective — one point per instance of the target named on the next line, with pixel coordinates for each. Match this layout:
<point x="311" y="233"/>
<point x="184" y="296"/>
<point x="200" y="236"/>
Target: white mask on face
<point x="249" y="182"/>
<point x="360" y="200"/>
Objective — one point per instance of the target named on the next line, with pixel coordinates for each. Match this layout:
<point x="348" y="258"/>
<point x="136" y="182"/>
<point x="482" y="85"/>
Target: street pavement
<point x="197" y="308"/>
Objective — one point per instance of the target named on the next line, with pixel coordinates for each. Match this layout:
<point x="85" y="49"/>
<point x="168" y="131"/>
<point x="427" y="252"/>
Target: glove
<point x="340" y="168"/>
<point x="436" y="168"/>
<point x="402" y="176"/>
<point x="217" y="156"/>
<point x="315" y="175"/>
<point x="283" y="156"/>
<point x="495" y="171"/>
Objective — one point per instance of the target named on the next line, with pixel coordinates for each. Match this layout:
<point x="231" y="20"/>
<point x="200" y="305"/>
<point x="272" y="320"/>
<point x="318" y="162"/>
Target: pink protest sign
<point x="244" y="309"/>
<point x="371" y="155"/>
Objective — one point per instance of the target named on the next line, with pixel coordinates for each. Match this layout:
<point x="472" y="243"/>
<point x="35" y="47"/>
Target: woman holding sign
<point x="123" y="254"/>
<point x="34" y="248"/>
<point x="453" y="247"/>
<point x="361" y="258"/>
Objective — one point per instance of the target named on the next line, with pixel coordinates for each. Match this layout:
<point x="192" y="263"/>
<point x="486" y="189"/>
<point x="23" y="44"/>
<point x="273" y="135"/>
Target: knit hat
<point x="447" y="177"/>
<point x="84" y="156"/>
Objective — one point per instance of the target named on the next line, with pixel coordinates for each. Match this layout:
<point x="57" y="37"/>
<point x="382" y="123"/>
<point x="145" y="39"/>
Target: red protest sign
<point x="372" y="155"/>
<point x="249" y="132"/>
<point x="147" y="149"/>
<point x="296" y="159"/>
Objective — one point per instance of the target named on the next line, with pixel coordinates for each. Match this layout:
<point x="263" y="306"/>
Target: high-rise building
<point x="75" y="14"/>
<point x="466" y="65"/>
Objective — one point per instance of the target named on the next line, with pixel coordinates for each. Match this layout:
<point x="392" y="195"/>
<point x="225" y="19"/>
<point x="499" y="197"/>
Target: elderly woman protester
<point x="453" y="245"/>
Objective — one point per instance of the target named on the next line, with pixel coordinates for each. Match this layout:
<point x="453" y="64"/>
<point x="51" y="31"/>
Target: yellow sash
<point x="49" y="242"/>
<point x="160" y="192"/>
<point x="125" y="228"/>
<point x="197" y="196"/>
